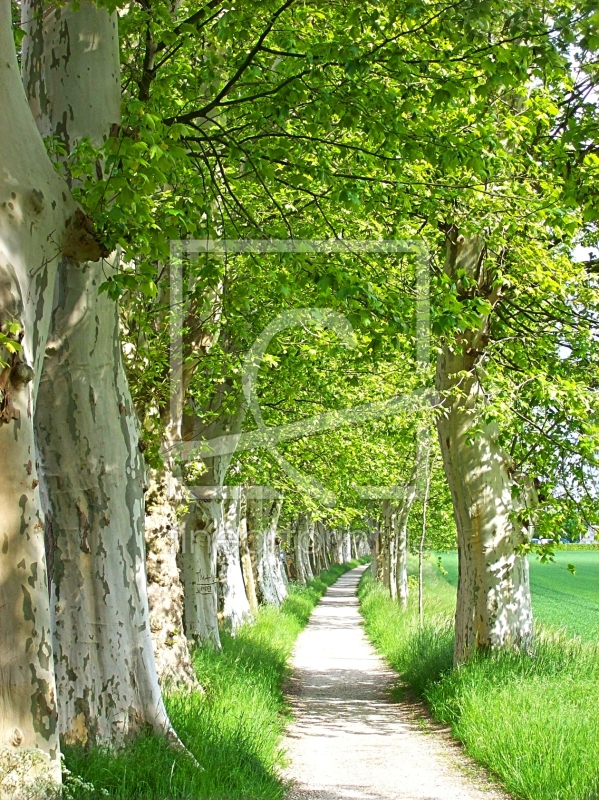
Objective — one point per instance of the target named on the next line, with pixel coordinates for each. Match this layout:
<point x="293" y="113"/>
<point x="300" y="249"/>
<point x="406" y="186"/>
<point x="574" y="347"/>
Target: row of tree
<point x="469" y="127"/>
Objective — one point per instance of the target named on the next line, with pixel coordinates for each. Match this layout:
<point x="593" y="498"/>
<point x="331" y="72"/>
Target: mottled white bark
<point x="301" y="549"/>
<point x="197" y="561"/>
<point x="193" y="560"/>
<point x="94" y="477"/>
<point x="347" y="556"/>
<point x="400" y="535"/>
<point x="494" y="604"/>
<point x="337" y="547"/>
<point x="204" y="524"/>
<point x="88" y="435"/>
<point x="263" y="517"/>
<point x="165" y="590"/>
<point x="234" y="606"/>
<point x="39" y="221"/>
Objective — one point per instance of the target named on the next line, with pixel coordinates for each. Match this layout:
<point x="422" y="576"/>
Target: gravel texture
<point x="349" y="741"/>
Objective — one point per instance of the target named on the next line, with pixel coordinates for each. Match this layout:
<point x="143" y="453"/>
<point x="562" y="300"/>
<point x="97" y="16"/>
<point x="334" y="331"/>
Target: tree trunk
<point x="323" y="544"/>
<point x="233" y="602"/>
<point x="197" y="561"/>
<point x="347" y="546"/>
<point x="299" y="540"/>
<point x="427" y="486"/>
<point x="402" y="515"/>
<point x="375" y="547"/>
<point x="204" y="525"/>
<point x="39" y="221"/>
<point x="94" y="476"/>
<point x="92" y="468"/>
<point x="264" y="516"/>
<point x="494" y="605"/>
<point x="401" y="553"/>
<point x="338" y="547"/>
<point x="165" y="590"/>
<point x="383" y="558"/>
<point x="312" y="554"/>
<point x="306" y="550"/>
<point x="390" y="538"/>
<point x="247" y="550"/>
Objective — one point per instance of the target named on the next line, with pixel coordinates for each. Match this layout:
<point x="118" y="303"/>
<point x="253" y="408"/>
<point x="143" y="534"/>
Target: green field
<point x="559" y="599"/>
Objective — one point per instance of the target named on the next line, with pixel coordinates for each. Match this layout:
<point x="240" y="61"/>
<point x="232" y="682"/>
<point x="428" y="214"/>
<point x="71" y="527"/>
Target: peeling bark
<point x="197" y="562"/>
<point x="94" y="476"/>
<point x="306" y="546"/>
<point x="165" y="591"/>
<point x="263" y="517"/>
<point x="204" y="526"/>
<point x="87" y="431"/>
<point x="494" y="605"/>
<point x="35" y="204"/>
<point x="234" y="606"/>
<point x="323" y="539"/>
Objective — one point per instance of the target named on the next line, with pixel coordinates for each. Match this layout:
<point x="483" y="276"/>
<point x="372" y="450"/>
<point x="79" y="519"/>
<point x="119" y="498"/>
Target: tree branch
<point x="246" y="63"/>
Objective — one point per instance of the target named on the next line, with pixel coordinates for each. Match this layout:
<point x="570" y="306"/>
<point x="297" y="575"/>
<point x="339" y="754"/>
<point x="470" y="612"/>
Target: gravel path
<point x="348" y="740"/>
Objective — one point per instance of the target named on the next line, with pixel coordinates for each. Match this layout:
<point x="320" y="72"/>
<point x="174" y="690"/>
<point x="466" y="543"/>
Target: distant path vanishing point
<point x="348" y="740"/>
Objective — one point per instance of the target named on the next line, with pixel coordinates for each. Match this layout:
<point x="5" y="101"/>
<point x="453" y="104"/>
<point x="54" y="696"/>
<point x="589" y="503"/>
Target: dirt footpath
<point x="348" y="740"/>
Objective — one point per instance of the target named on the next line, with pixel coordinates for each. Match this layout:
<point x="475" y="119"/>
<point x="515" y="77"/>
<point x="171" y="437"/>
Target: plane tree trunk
<point x="165" y="590"/>
<point x="494" y="604"/>
<point x="347" y="546"/>
<point x="247" y="552"/>
<point x="375" y="550"/>
<point x="390" y="539"/>
<point x="197" y="561"/>
<point x="172" y="544"/>
<point x="301" y="542"/>
<point x="402" y="516"/>
<point x="263" y="518"/>
<point x="307" y="541"/>
<point x="204" y="528"/>
<point x="234" y="606"/>
<point x="39" y="222"/>
<point x="88" y="436"/>
<point x="324" y="546"/>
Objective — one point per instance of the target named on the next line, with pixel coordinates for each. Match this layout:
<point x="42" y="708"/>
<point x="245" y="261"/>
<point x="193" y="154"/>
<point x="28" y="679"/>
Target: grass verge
<point x="532" y="720"/>
<point x="233" y="729"/>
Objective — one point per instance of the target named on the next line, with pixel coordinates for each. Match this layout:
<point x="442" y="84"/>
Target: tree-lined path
<point x="348" y="740"/>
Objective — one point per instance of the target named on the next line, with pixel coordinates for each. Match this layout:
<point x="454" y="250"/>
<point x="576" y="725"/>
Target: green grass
<point x="534" y="721"/>
<point x="559" y="598"/>
<point x="233" y="729"/>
